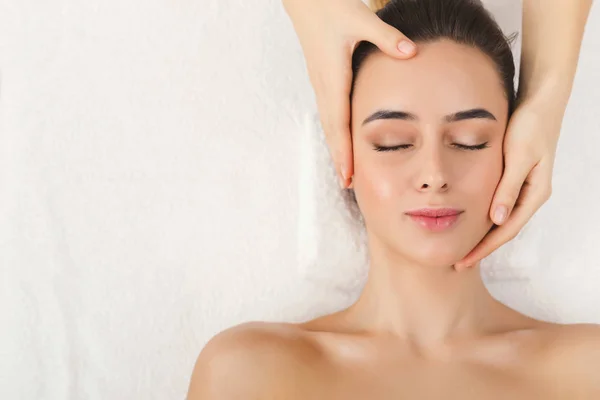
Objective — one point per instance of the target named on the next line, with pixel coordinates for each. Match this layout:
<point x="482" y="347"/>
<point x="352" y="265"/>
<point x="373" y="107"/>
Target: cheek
<point x="372" y="185"/>
<point x="481" y="181"/>
<point x="379" y="186"/>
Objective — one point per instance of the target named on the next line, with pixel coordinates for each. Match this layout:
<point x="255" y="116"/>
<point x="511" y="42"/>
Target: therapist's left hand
<point x="526" y="184"/>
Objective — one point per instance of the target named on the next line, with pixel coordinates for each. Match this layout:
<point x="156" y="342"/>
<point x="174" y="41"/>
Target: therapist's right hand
<point x="328" y="31"/>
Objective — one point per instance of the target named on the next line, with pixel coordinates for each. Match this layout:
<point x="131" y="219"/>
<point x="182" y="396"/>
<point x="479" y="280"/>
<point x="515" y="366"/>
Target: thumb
<point x="508" y="191"/>
<point x="389" y="39"/>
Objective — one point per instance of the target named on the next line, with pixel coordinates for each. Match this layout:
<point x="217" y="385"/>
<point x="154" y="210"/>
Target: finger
<point x="515" y="173"/>
<point x="387" y="38"/>
<point x="527" y="205"/>
<point x="340" y="145"/>
<point x="335" y="115"/>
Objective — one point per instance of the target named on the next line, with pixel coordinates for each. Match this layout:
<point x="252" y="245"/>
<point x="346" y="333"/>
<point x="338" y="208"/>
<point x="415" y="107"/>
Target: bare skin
<point x="421" y="328"/>
<point x="513" y="362"/>
<point x="325" y="358"/>
<point x="552" y="36"/>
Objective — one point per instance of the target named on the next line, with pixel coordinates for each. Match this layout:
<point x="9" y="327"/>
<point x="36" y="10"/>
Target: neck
<point x="426" y="305"/>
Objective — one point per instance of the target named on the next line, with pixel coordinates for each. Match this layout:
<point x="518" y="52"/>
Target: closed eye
<point x="476" y="147"/>
<point x="456" y="145"/>
<point x="392" y="148"/>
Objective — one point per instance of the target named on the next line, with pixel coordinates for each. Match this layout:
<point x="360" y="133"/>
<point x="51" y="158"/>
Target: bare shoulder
<point x="574" y="355"/>
<point x="252" y="360"/>
<point x="579" y="343"/>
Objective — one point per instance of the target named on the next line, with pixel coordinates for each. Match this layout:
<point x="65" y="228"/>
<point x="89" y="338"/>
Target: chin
<point x="437" y="262"/>
<point x="439" y="257"/>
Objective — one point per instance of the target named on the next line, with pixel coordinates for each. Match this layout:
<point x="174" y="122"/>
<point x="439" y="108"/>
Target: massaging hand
<point x="328" y="32"/>
<point x="529" y="151"/>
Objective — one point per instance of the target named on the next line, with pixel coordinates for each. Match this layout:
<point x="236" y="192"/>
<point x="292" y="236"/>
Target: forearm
<point x="552" y="34"/>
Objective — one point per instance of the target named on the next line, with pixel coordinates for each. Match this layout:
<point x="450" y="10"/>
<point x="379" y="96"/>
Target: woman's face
<point x="446" y="97"/>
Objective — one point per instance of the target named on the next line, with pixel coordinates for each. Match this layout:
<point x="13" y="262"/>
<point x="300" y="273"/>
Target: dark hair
<point x="463" y="21"/>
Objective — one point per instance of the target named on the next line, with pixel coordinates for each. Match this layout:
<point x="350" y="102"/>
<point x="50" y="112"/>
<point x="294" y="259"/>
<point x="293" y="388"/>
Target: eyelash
<point x="457" y="145"/>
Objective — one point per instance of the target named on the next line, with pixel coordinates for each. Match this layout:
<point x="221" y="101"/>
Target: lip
<point x="435" y="219"/>
<point x="435" y="212"/>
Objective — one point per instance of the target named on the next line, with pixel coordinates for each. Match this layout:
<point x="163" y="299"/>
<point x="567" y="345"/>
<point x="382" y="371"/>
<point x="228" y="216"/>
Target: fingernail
<point x="406" y="47"/>
<point x="341" y="178"/>
<point x="344" y="171"/>
<point x="500" y="214"/>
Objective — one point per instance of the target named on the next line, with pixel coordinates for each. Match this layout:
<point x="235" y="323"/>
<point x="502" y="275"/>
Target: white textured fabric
<point x="151" y="193"/>
<point x="331" y="232"/>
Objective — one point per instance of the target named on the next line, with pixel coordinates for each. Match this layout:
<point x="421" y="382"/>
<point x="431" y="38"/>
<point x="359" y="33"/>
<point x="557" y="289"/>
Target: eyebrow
<point x="475" y="113"/>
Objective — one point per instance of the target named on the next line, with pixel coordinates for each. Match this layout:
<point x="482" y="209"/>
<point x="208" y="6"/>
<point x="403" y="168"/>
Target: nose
<point x="433" y="174"/>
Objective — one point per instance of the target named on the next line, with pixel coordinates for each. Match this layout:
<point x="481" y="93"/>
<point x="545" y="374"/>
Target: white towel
<point x="332" y="244"/>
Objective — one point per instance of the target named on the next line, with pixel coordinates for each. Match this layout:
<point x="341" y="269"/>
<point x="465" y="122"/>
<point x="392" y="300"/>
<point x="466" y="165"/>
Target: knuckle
<point x="511" y="198"/>
<point x="393" y="38"/>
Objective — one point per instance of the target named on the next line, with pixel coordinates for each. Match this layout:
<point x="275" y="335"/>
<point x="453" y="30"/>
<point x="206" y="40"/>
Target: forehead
<point x="442" y="78"/>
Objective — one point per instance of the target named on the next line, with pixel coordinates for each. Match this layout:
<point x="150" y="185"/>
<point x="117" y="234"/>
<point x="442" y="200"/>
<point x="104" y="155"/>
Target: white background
<point x="149" y="197"/>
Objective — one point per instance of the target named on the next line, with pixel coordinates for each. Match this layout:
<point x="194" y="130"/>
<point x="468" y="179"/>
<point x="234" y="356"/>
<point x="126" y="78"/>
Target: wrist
<point x="552" y="90"/>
